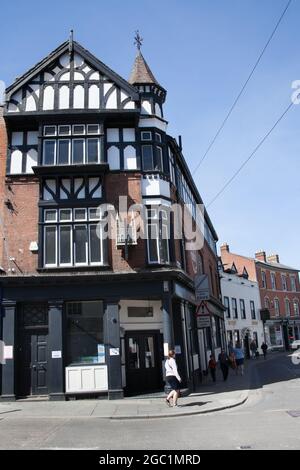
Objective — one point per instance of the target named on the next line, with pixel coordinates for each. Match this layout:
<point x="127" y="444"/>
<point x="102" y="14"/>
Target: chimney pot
<point x="260" y="255"/>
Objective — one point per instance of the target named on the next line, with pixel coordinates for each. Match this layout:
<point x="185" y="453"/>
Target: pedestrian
<point x="264" y="348"/>
<point x="224" y="364"/>
<point x="212" y="365"/>
<point x="253" y="349"/>
<point x="232" y="361"/>
<point x="239" y="357"/>
<point x="173" y="378"/>
<point x="230" y="347"/>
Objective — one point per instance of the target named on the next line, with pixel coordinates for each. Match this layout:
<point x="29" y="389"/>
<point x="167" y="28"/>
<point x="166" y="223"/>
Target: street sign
<point x="203" y="321"/>
<point x="201" y="287"/>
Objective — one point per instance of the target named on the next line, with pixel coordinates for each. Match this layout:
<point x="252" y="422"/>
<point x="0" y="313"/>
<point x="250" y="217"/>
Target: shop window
<point x="85" y="339"/>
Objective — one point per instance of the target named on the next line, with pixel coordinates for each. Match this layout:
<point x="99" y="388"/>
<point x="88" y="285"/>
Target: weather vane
<point x="138" y="40"/>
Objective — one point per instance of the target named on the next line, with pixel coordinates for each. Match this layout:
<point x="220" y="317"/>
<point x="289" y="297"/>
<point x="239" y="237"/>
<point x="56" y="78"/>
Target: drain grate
<point x="294" y="413"/>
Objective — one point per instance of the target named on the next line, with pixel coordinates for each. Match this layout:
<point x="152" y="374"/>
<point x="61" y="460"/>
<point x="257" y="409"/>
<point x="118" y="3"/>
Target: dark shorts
<point x="239" y="362"/>
<point x="173" y="382"/>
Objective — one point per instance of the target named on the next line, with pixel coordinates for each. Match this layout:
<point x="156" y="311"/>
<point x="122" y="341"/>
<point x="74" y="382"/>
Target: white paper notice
<point x="56" y="354"/>
<point x="2" y="361"/>
<point x="114" y="351"/>
<point x="8" y="352"/>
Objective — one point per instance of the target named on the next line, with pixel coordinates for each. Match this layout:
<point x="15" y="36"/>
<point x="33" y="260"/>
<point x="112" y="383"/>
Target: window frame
<point x="50" y="265"/>
<point x="84" y="151"/>
<point x="243" y="309"/>
<point x="55" y="151"/>
<point x="60" y="226"/>
<point x="58" y="142"/>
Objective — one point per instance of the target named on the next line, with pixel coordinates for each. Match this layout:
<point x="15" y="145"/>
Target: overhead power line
<point x="243" y="87"/>
<point x="251" y="155"/>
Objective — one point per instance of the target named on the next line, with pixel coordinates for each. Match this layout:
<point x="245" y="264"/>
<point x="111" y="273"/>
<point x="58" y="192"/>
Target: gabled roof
<point x="64" y="47"/>
<point x="141" y="72"/>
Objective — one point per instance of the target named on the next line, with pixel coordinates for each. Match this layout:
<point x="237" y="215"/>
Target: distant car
<point x="295" y="344"/>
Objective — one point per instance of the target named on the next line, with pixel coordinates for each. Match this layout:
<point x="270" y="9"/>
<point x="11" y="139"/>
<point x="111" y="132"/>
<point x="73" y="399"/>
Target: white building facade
<point x="242" y="316"/>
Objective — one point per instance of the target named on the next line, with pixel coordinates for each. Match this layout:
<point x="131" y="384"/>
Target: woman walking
<point x="224" y="364"/>
<point x="173" y="378"/>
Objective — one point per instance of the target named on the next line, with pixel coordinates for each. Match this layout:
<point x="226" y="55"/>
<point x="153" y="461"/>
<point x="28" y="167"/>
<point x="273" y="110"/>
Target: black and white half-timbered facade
<point x="82" y="313"/>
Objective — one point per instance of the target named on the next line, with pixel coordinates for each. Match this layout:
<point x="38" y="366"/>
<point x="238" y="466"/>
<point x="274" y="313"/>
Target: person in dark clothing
<point x="212" y="365"/>
<point x="224" y="364"/>
<point x="264" y="348"/>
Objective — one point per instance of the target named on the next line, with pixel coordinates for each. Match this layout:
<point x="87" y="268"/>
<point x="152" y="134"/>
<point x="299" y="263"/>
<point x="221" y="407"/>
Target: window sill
<point x="102" y="267"/>
<point x="85" y="168"/>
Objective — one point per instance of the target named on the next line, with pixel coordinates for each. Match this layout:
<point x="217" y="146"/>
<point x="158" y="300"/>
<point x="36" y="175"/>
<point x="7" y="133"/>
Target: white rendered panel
<point x="16" y="162"/>
<point x="94" y="97"/>
<point x="17" y="138"/>
<point x="146" y="107"/>
<point x="157" y="110"/>
<point x="48" y="98"/>
<point x="32" y="138"/>
<point x="130" y="158"/>
<point x="95" y="76"/>
<point x="64" y="97"/>
<point x="78" y="76"/>
<point x="78" y="97"/>
<point x="64" y="77"/>
<point x="78" y="60"/>
<point x="129" y="135"/>
<point x="31" y="160"/>
<point x="113" y="135"/>
<point x="65" y="60"/>
<point x="30" y="102"/>
<point x="112" y="100"/>
<point x="129" y="105"/>
<point x="113" y="158"/>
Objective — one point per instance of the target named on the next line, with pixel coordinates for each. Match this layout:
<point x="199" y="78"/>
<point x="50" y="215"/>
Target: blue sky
<point x="201" y="51"/>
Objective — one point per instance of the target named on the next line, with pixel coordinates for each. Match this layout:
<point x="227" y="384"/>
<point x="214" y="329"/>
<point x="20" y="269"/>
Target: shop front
<point x="92" y="337"/>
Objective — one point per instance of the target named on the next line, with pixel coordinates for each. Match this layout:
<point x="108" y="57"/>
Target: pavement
<point x="210" y="397"/>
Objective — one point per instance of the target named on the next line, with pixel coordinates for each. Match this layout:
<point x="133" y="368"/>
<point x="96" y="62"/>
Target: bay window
<point x="158" y="236"/>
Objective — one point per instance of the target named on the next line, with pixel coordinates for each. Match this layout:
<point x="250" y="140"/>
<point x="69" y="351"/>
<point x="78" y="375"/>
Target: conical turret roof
<point x="141" y="72"/>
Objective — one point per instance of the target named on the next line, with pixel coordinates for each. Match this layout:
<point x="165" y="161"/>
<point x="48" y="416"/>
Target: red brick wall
<point x="3" y="151"/>
<point x="123" y="184"/>
<point x="279" y="293"/>
<point x="21" y="224"/>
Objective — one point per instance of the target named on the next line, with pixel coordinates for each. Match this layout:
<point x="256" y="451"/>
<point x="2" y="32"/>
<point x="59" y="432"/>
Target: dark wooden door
<point x="33" y="365"/>
<point x="143" y="362"/>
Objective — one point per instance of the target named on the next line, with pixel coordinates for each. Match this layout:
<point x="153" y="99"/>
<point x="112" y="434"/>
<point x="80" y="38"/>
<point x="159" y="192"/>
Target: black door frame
<point x="158" y="350"/>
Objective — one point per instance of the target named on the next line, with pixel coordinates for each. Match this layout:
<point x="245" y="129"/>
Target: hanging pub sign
<point x="201" y="287"/>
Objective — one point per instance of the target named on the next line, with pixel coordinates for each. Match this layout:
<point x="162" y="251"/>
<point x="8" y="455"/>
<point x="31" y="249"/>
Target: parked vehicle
<point x="295" y="344"/>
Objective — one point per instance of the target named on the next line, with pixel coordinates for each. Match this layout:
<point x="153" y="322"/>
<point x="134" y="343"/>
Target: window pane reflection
<point x="134" y="354"/>
<point x="149" y="352"/>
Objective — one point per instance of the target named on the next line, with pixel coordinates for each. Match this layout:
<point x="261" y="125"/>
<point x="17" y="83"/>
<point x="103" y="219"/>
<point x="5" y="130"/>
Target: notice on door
<point x="8" y="352"/>
<point x="56" y="354"/>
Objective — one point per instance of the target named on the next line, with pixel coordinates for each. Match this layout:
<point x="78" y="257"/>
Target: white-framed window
<point x="234" y="307"/>
<point x="296" y="307"/>
<point x="80" y="214"/>
<point x="81" y="244"/>
<point x="146" y="135"/>
<point x="49" y="152"/>
<point x="78" y="151"/>
<point x="158" y="236"/>
<point x="263" y="280"/>
<point x="287" y="307"/>
<point x="147" y="157"/>
<point x="267" y="303"/>
<point x="50" y="245"/>
<point x="92" y="150"/>
<point x="157" y="137"/>
<point x="63" y="151"/>
<point x="93" y="129"/>
<point x="64" y="129"/>
<point x="65" y="245"/>
<point x="68" y="243"/>
<point x="252" y="308"/>
<point x="293" y="283"/>
<point x="49" y="131"/>
<point x="159" y="159"/>
<point x="78" y="129"/>
<point x="284" y="283"/>
<point x="273" y="281"/>
<point x="243" y="309"/>
<point x="277" y="307"/>
<point x="227" y="306"/>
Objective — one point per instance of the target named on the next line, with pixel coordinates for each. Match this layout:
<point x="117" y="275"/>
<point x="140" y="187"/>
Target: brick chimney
<point x="224" y="248"/>
<point x="260" y="256"/>
<point x="273" y="259"/>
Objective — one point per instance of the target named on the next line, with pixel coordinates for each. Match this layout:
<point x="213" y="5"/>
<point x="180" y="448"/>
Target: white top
<point x="171" y="368"/>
